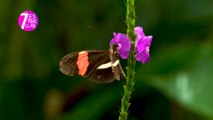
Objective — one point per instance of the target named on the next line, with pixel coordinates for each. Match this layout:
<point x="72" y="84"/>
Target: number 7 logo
<point x="27" y="22"/>
<point x="25" y="19"/>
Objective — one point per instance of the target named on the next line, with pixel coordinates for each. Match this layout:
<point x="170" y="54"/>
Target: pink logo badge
<point x="28" y="20"/>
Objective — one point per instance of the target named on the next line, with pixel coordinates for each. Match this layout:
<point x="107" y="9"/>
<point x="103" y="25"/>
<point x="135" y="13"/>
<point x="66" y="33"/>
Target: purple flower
<point x="142" y="44"/>
<point x="123" y="43"/>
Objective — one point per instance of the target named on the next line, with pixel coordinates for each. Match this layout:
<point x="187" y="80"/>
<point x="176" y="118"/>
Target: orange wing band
<point x="82" y="62"/>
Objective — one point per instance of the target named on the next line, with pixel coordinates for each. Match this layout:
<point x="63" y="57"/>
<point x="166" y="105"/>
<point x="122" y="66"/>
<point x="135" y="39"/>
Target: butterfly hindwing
<point x="106" y="70"/>
<point x="102" y="75"/>
<point x="95" y="59"/>
<point x="99" y="75"/>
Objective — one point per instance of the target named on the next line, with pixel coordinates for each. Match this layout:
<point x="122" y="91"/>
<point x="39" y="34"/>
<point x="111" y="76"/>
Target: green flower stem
<point x="128" y="87"/>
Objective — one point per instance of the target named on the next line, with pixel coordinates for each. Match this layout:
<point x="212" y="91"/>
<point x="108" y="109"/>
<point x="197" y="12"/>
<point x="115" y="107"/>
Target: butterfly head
<point x="113" y="49"/>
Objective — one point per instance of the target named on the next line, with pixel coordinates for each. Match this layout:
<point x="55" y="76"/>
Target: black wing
<point x="106" y="74"/>
<point x="99" y="75"/>
<point x="68" y="64"/>
<point x="96" y="58"/>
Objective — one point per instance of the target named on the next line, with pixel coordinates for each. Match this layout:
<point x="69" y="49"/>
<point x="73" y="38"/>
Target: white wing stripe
<point x="109" y="64"/>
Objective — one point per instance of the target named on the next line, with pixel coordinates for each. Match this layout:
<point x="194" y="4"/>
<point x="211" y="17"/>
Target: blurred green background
<point x="176" y="84"/>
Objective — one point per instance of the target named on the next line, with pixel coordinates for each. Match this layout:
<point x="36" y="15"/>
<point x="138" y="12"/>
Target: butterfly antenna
<point x="98" y="31"/>
<point x="119" y="23"/>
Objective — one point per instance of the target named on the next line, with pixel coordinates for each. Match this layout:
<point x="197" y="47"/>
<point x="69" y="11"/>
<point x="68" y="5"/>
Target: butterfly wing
<point x="95" y="74"/>
<point x="105" y="69"/>
<point x="102" y="75"/>
<point x="82" y="62"/>
<point x="98" y="66"/>
<point x="67" y="64"/>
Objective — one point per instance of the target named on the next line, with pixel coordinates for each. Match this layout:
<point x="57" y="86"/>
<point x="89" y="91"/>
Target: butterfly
<point x="100" y="66"/>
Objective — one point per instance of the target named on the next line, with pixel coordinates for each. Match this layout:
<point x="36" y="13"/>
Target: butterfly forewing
<point x="68" y="64"/>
